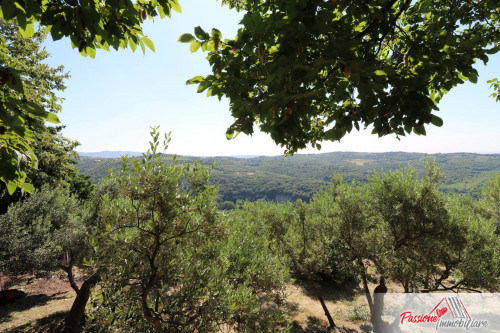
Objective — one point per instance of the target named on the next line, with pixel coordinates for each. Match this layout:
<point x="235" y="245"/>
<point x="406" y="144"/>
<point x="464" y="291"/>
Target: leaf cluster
<point x="27" y="97"/>
<point x="309" y="71"/>
<point x="27" y="100"/>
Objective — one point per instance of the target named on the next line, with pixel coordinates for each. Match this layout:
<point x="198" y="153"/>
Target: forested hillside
<point x="280" y="178"/>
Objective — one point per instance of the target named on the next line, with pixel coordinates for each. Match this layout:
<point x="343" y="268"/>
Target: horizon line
<point x="282" y="155"/>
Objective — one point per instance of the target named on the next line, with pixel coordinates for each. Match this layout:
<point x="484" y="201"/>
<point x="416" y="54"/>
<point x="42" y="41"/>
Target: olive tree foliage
<point x="35" y="233"/>
<point x="303" y="242"/>
<point x="429" y="240"/>
<point x="309" y="71"/>
<point x="414" y="225"/>
<point x="168" y="262"/>
<point x="490" y="200"/>
<point x="473" y="260"/>
<point x="349" y="225"/>
<point x="342" y="209"/>
<point x="26" y="97"/>
<point x="401" y="226"/>
<point x="295" y="240"/>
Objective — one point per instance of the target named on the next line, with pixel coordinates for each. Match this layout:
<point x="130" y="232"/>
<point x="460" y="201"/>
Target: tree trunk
<point x="406" y="286"/>
<point x="73" y="323"/>
<point x="325" y="309"/>
<point x="152" y="320"/>
<point x="69" y="270"/>
<point x="427" y="278"/>
<point x="378" y="307"/>
<point x="365" y="285"/>
<point x="376" y="303"/>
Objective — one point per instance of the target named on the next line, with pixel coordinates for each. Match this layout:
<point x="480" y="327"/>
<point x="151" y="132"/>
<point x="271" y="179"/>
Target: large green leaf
<point x="28" y="31"/>
<point x="186" y="38"/>
<point x="436" y="121"/>
<point x="148" y="43"/>
<point x="195" y="46"/>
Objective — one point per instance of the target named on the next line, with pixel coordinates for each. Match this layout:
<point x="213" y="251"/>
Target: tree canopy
<point x="27" y="96"/>
<point x="24" y="107"/>
<point x="44" y="146"/>
<point x="309" y="71"/>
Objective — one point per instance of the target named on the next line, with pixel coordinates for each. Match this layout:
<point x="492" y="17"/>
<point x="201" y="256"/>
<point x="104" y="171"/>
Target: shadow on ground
<point x="330" y="291"/>
<point x="27" y="303"/>
<point x="314" y="325"/>
<point x="49" y="324"/>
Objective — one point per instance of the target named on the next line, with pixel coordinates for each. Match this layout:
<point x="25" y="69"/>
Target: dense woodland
<point x="301" y="176"/>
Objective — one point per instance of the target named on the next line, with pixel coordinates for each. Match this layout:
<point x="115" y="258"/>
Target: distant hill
<point x="244" y="156"/>
<point x="117" y="154"/>
<point x="282" y="178"/>
<point x="110" y="154"/>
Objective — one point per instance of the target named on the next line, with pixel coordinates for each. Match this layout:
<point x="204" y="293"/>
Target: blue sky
<point x="112" y="100"/>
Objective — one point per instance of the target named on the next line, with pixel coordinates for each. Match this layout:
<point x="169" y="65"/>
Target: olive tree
<point x="350" y="225"/>
<point x="302" y="242"/>
<point x="167" y="262"/>
<point x="399" y="226"/>
<point x="473" y="259"/>
<point x="415" y="225"/>
<point x="36" y="232"/>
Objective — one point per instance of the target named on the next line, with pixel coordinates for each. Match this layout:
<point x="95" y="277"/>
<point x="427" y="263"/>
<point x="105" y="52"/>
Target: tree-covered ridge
<point x="281" y="178"/>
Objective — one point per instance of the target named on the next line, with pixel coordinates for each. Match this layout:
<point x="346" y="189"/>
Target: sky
<point x="111" y="101"/>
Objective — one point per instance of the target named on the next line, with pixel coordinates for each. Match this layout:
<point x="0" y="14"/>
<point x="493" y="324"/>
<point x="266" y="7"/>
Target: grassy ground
<point x="48" y="300"/>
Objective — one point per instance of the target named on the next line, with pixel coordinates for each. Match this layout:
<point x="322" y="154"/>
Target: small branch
<point x="446" y="274"/>
<point x="365" y="31"/>
<point x="306" y="94"/>
<point x="392" y="25"/>
<point x="69" y="270"/>
<point x="404" y="32"/>
<point x="456" y="288"/>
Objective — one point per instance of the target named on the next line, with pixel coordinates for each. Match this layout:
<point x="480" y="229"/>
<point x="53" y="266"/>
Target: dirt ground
<point x="49" y="298"/>
<point x="347" y="307"/>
